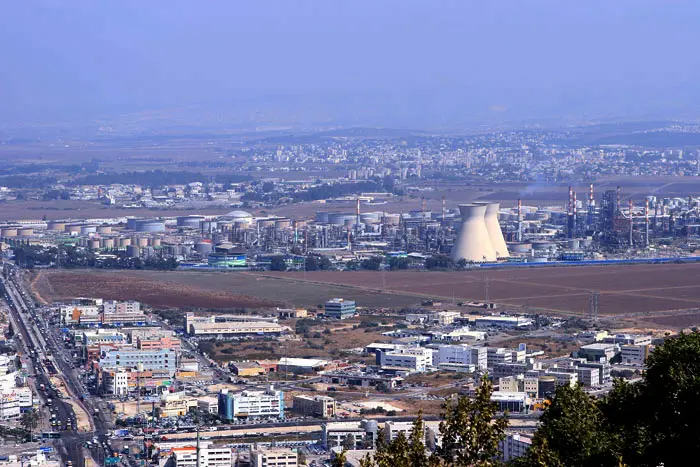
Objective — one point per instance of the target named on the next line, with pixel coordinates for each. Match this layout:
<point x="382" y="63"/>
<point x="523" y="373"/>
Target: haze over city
<point x="407" y="64"/>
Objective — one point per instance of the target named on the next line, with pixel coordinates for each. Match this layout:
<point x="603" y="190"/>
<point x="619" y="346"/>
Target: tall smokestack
<point x="573" y="214"/>
<point x="473" y="241"/>
<point x="591" y="208"/>
<point x="443" y="210"/>
<point x="618" y="206"/>
<point x="631" y="223"/>
<point x="520" y="220"/>
<point x="357" y="222"/>
<point x="646" y="222"/>
<point x="570" y="214"/>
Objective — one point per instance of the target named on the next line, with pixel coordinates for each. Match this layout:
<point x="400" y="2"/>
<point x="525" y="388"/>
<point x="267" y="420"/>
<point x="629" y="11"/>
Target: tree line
<point x="648" y="423"/>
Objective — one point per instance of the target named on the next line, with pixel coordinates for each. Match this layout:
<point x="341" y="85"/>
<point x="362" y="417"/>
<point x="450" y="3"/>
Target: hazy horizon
<point x="392" y="63"/>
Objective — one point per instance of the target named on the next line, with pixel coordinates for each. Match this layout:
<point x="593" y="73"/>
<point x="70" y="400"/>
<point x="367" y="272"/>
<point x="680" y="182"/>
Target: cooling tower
<point x="473" y="242"/>
<point x="494" y="228"/>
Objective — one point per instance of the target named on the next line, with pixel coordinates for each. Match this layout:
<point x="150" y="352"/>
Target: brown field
<point x="202" y="289"/>
<point x="659" y="291"/>
<point x="623" y="289"/>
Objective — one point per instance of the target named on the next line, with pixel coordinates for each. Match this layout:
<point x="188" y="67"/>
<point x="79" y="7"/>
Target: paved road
<point x="41" y="346"/>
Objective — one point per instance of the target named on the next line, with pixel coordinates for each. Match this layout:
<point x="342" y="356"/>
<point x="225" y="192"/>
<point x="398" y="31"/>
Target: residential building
<point x="314" y="406"/>
<point x="340" y="308"/>
<point x="251" y="404"/>
<point x="274" y="457"/>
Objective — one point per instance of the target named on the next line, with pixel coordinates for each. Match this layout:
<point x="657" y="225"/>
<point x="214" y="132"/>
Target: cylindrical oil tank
<point x="265" y="223"/>
<point x="322" y="217"/>
<point x="73" y="228"/>
<point x="392" y="219"/>
<point x="190" y="222"/>
<point x="132" y="222"/>
<point x="283" y="223"/>
<point x="301" y="223"/>
<point x="56" y="226"/>
<point x="8" y="231"/>
<point x="88" y="229"/>
<point x="25" y="232"/>
<point x="543" y="246"/>
<point x="139" y="241"/>
<point x="124" y="242"/>
<point x="209" y="226"/>
<point x="203" y="248"/>
<point x="150" y="226"/>
<point x="108" y="243"/>
<point x="350" y="221"/>
<point x="104" y="229"/>
<point x="520" y="247"/>
<point x="94" y="244"/>
<point x="133" y="251"/>
<point x="573" y="244"/>
<point x="155" y="241"/>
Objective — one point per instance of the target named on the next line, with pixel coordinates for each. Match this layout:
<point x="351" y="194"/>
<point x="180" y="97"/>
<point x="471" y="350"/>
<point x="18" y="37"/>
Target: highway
<point x="46" y="358"/>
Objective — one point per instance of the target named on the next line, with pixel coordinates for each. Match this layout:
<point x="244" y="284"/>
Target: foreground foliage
<point x="652" y="422"/>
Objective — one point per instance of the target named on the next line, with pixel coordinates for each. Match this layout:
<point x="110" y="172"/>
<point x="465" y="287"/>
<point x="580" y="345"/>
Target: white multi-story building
<point x="462" y="355"/>
<point x="208" y="457"/>
<point x="496" y="355"/>
<point x="635" y="354"/>
<point x="444" y="318"/>
<point x="514" y="445"/>
<point x="274" y="458"/>
<point x="251" y="404"/>
<point x="129" y="307"/>
<point x="363" y="433"/>
<point x="588" y="376"/>
<point x="414" y="359"/>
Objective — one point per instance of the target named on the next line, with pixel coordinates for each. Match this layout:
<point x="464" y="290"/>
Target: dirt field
<point x="625" y="290"/>
<point x="203" y="289"/>
<point x="153" y="289"/>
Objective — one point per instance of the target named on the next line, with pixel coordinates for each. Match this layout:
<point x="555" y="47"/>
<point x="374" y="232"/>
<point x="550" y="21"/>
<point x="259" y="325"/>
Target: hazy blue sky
<point x="403" y="62"/>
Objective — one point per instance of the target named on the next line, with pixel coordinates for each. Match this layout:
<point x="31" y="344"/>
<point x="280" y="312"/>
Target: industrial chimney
<point x="494" y="229"/>
<point x="473" y="241"/>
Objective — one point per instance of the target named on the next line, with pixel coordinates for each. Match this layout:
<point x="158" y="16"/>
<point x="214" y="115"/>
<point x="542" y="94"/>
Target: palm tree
<point x="30" y="420"/>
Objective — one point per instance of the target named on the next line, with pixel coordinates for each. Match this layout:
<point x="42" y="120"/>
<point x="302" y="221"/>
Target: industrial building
<point x="462" y="355"/>
<point x="251" y="404"/>
<point x="314" y="406"/>
<point x="339" y="308"/>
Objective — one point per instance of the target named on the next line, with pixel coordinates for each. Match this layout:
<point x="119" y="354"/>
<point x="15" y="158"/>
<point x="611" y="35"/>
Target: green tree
<point x="338" y="460"/>
<point x="29" y="421"/>
<point x="572" y="433"/>
<point x="277" y="263"/>
<point x="471" y="429"/>
<point x="349" y="443"/>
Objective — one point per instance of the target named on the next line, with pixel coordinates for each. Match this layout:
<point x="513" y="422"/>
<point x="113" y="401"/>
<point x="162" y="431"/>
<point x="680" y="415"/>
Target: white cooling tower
<point x="473" y="242"/>
<point x="494" y="228"/>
